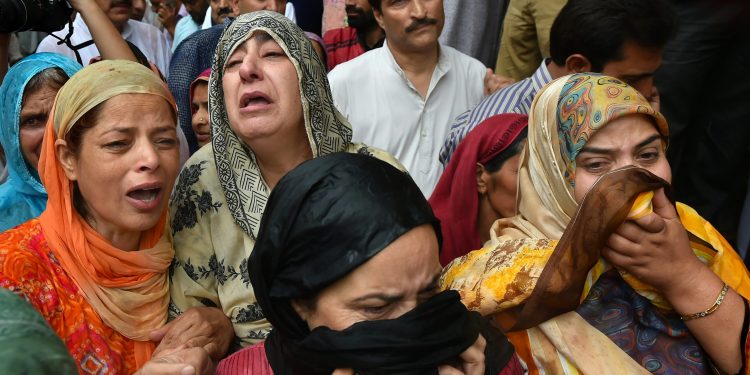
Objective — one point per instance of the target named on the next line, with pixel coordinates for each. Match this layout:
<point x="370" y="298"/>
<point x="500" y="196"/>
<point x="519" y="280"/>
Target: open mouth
<point x="145" y="195"/>
<point x="254" y="100"/>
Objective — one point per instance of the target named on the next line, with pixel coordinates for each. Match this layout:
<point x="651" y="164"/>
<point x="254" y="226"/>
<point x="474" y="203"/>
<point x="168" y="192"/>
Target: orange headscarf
<point x="128" y="289"/>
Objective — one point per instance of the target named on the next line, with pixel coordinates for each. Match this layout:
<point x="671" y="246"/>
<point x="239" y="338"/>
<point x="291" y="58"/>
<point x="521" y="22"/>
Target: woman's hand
<point x="200" y="327"/>
<point x="655" y="248"/>
<point x="191" y="361"/>
<point x="472" y="360"/>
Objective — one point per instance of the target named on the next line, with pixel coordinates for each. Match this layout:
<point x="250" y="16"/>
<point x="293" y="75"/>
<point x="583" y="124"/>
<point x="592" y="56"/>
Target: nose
<point x="224" y="4"/>
<point x="250" y="69"/>
<point x="148" y="157"/>
<point x="418" y="10"/>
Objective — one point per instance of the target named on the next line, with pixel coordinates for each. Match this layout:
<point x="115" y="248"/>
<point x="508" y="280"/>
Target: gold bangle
<point x="711" y="309"/>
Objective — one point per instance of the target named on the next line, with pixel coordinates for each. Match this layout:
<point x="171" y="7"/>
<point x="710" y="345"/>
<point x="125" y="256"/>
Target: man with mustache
<point x="149" y="40"/>
<point x="402" y="97"/>
<point x="362" y="34"/>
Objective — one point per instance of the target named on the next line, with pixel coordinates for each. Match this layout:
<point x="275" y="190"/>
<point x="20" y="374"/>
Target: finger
<point x="475" y="353"/>
<point x="158" y="335"/>
<point x="343" y="371"/>
<point x="616" y="258"/>
<point x="663" y="206"/>
<point x="630" y="231"/>
<point x="622" y="245"/>
<point x="156" y="368"/>
<point x="651" y="223"/>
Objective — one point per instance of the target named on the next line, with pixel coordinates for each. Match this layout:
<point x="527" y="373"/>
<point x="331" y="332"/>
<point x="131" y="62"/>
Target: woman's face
<point x="390" y="284"/>
<point x="126" y="164"/>
<point x="261" y="92"/>
<point x="34" y="112"/>
<point x="201" y="126"/>
<point x="500" y="187"/>
<point x="628" y="140"/>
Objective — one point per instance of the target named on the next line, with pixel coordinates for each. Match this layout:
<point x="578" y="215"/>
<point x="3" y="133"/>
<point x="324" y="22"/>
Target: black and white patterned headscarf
<point x="328" y="131"/>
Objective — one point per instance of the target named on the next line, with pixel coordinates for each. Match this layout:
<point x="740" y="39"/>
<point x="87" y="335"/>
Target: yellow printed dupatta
<point x="542" y="264"/>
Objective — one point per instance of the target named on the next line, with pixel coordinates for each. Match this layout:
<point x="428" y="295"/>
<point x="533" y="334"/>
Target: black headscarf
<point x="323" y="220"/>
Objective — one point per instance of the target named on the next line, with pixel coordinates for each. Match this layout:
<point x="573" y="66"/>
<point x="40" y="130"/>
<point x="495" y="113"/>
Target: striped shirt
<point x="516" y="98"/>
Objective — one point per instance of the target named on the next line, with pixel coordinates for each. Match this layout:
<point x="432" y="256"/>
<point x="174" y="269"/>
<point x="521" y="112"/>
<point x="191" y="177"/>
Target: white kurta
<point x="147" y="38"/>
<point x="387" y="112"/>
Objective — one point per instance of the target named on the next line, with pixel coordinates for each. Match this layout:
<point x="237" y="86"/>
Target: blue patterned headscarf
<point x="22" y="196"/>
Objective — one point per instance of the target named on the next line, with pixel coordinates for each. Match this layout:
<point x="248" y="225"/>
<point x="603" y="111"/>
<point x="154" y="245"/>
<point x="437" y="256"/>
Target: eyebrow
<point x="596" y="150"/>
<point x="160" y="129"/>
<point x="390" y="298"/>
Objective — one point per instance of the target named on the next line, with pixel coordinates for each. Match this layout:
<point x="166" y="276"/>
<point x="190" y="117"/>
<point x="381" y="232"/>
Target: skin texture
<point x="133" y="142"/>
<point x="497" y="194"/>
<point x="412" y="28"/>
<point x="118" y="11"/>
<point x="247" y="6"/>
<point x="636" y="67"/>
<point x="34" y="112"/>
<point x="260" y="66"/>
<point x="139" y="9"/>
<point x="201" y="125"/>
<point x="221" y="9"/>
<point x="644" y="246"/>
<point x="388" y="285"/>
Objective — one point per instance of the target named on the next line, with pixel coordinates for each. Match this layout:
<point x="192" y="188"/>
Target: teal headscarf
<point x="27" y="344"/>
<point x="22" y="196"/>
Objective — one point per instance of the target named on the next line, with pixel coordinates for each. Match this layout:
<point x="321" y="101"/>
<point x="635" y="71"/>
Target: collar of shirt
<point x="541" y="76"/>
<point x="441" y="69"/>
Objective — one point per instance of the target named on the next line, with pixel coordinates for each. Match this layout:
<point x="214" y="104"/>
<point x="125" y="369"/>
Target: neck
<point x="556" y="71"/>
<point x="123" y="240"/>
<point x="371" y="36"/>
<point x="275" y="163"/>
<point x="417" y="65"/>
<point x="485" y="218"/>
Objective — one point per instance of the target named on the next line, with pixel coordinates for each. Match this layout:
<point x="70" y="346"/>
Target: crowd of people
<point x="418" y="187"/>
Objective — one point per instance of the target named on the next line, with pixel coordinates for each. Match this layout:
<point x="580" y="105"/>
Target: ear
<point x="301" y="309"/>
<point x="577" y="63"/>
<point x="483" y="179"/>
<point x="378" y="17"/>
<point x="67" y="159"/>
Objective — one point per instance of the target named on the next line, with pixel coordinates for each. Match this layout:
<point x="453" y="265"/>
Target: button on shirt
<point x="147" y="38"/>
<point x="387" y="112"/>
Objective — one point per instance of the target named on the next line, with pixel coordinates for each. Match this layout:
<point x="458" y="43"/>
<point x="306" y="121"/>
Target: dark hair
<point x="51" y="77"/>
<point x="512" y="150"/>
<point x="74" y="138"/>
<point x="375" y="4"/>
<point x="598" y="29"/>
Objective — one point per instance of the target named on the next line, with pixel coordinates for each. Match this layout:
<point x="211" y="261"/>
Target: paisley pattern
<point x="579" y="116"/>
<point x="659" y="341"/>
<point x="30" y="270"/>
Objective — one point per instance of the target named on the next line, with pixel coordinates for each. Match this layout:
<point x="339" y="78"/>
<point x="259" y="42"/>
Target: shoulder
<point x="463" y="60"/>
<point x="251" y="360"/>
<point x="49" y="44"/>
<point x="359" y="65"/>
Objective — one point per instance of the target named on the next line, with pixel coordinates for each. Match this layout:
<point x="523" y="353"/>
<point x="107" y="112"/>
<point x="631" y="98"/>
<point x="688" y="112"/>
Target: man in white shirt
<point x="147" y="38"/>
<point x="402" y="97"/>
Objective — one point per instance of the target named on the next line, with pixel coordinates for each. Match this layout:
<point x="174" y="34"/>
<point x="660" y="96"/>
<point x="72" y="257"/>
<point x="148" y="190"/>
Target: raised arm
<point x="108" y="40"/>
